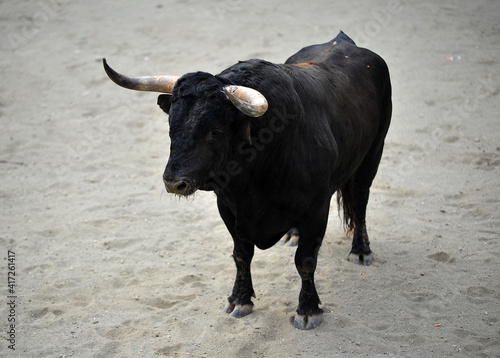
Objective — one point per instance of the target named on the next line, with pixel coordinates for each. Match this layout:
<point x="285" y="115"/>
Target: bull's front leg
<point x="309" y="315"/>
<point x="240" y="303"/>
<point x="312" y="231"/>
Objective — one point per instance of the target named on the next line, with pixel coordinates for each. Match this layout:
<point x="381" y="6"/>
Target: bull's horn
<point x="247" y="100"/>
<point x="163" y="84"/>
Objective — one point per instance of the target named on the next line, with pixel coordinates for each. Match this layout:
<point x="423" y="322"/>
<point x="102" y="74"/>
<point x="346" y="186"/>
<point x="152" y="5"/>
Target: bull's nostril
<point x="182" y="186"/>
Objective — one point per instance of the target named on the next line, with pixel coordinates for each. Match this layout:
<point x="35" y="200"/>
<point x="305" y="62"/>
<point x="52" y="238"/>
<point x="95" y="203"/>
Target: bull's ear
<point x="164" y="101"/>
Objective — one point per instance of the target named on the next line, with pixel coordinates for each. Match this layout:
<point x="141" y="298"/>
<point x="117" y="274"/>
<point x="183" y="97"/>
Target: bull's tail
<point x="342" y="37"/>
<point x="345" y="200"/>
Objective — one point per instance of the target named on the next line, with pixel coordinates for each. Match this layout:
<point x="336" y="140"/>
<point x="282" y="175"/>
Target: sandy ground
<point x="109" y="265"/>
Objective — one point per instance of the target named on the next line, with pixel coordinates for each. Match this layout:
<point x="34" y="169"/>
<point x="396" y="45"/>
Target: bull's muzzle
<point x="179" y="187"/>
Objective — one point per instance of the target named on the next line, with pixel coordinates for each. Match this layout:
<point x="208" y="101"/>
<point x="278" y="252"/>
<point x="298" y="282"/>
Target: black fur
<point x="329" y="112"/>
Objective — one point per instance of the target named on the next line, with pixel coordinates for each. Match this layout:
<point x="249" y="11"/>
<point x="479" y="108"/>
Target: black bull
<point x="329" y="112"/>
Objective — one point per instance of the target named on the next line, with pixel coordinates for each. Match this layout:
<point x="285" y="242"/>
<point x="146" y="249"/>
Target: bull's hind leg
<point x="360" y="251"/>
<point x="355" y="196"/>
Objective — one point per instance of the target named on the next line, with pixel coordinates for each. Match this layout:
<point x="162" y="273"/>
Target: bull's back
<point x="320" y="52"/>
<point x="354" y="71"/>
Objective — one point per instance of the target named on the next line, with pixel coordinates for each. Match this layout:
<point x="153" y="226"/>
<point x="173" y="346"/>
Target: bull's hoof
<point x="291" y="237"/>
<point x="307" y="322"/>
<point x="360" y="259"/>
<point x="237" y="311"/>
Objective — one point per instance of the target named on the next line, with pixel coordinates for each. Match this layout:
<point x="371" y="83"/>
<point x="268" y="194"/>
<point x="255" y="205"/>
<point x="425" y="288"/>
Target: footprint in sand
<point x="481" y="295"/>
<point x="442" y="257"/>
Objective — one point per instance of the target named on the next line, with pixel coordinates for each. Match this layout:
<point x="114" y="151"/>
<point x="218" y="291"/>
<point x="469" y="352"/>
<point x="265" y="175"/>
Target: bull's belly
<point x="264" y="230"/>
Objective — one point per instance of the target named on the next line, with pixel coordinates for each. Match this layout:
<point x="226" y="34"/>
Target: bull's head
<point x="202" y="117"/>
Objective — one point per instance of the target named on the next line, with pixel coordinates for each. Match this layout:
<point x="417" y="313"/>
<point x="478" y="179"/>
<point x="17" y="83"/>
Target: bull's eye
<point x="215" y="132"/>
